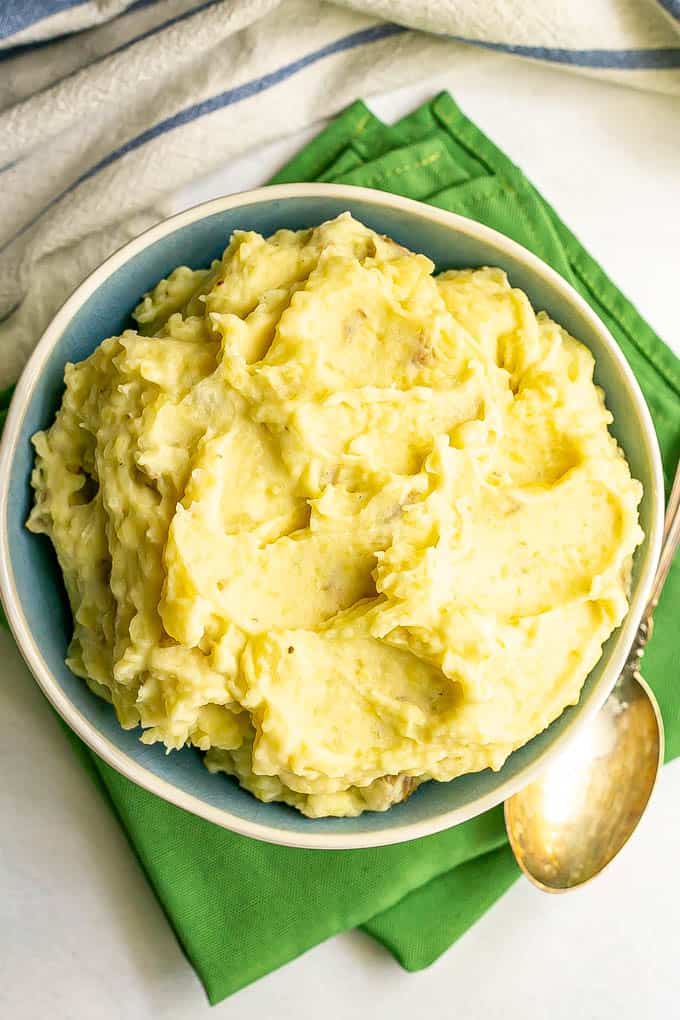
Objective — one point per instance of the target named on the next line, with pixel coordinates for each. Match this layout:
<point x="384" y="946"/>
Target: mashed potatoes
<point x="340" y="524"/>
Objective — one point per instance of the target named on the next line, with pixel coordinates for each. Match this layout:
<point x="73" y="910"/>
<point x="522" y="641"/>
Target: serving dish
<point x="30" y="581"/>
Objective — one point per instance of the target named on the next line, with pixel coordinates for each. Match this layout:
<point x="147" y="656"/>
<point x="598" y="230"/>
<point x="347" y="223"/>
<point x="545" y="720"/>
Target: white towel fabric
<point x="108" y="107"/>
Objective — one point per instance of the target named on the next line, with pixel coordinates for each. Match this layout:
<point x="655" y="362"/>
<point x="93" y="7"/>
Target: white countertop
<point x="82" y="936"/>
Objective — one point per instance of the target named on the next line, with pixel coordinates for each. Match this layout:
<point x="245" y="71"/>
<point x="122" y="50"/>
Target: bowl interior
<point x="107" y="312"/>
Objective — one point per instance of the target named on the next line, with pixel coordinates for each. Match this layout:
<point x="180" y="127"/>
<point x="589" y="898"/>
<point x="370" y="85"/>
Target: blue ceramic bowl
<point x="30" y="580"/>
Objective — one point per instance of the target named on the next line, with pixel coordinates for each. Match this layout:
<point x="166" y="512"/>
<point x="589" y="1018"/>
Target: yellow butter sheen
<point x="344" y="525"/>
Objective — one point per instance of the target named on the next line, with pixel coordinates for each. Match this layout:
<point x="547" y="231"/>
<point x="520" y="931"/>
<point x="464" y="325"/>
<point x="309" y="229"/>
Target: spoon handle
<point x="669" y="545"/>
<point x="671" y="540"/>
<point x="673" y="501"/>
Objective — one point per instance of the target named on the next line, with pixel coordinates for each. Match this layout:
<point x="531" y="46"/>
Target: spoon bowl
<point x="567" y="826"/>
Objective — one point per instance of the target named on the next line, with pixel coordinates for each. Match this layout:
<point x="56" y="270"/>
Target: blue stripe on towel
<point x="15" y="17"/>
<point x="228" y="98"/>
<point x="612" y="59"/>
<point x="118" y="49"/>
<point x="11" y="52"/>
<point x="671" y="7"/>
<point x="653" y="58"/>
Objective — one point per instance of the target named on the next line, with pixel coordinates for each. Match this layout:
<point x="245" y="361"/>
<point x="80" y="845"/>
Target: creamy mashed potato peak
<point x="340" y="523"/>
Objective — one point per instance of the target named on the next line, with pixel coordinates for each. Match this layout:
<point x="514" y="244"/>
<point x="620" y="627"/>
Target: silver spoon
<point x="567" y="825"/>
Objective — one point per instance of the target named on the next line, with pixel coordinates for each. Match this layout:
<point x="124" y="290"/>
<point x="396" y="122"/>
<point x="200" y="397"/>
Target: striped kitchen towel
<point x="107" y="107"/>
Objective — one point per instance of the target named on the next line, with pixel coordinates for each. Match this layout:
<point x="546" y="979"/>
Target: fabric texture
<point x="107" y="107"/>
<point x="241" y="908"/>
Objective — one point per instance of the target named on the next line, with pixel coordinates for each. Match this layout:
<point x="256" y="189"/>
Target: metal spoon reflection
<point x="567" y="825"/>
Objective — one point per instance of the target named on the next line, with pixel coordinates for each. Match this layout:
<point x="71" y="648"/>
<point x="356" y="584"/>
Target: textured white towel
<point x="108" y="107"/>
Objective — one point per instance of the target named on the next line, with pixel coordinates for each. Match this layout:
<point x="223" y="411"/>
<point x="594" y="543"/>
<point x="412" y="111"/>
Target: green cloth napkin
<point x="241" y="908"/>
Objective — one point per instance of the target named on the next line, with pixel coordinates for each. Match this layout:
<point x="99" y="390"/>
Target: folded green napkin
<point x="241" y="908"/>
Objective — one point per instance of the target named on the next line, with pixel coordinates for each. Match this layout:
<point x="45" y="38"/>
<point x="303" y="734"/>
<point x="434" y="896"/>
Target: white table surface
<point x="81" y="935"/>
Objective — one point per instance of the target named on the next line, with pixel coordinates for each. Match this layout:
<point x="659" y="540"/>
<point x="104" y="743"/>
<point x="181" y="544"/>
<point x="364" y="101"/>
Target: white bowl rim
<point x="140" y="775"/>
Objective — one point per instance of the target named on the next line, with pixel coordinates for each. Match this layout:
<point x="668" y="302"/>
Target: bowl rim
<point x="142" y="776"/>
